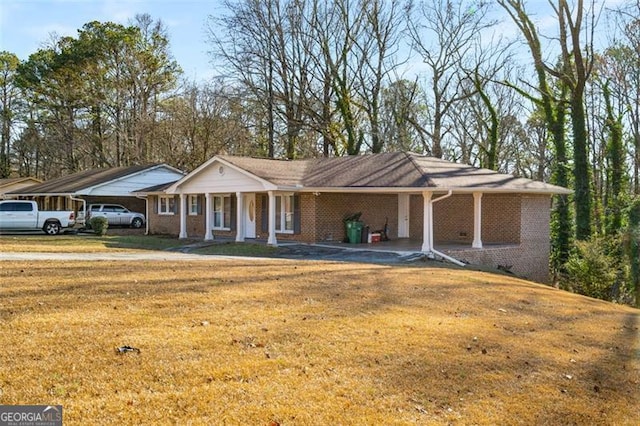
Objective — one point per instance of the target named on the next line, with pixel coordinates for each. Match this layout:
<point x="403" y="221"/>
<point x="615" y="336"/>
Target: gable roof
<point x="399" y="170"/>
<point x="10" y="182"/>
<point x="82" y="182"/>
<point x="155" y="189"/>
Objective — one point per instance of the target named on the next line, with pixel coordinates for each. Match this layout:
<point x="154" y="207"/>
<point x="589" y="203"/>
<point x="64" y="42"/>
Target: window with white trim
<point x="284" y="213"/>
<point x="222" y="212"/>
<point x="166" y="204"/>
<point x="194" y="205"/>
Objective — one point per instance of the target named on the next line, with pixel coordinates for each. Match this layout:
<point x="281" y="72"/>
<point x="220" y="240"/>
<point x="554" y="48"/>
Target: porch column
<point x="477" y="220"/>
<point x="208" y="236"/>
<point x="272" y="241"/>
<point x="183" y="216"/>
<point x="427" y="233"/>
<point x="239" y="217"/>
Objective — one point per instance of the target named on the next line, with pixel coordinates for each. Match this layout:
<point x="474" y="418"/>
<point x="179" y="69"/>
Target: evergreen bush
<point x="99" y="225"/>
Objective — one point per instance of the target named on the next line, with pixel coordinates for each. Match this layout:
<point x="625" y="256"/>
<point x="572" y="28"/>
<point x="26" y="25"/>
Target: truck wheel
<point x="52" y="228"/>
<point x="136" y="223"/>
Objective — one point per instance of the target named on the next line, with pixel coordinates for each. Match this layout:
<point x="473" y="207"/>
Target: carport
<point x="108" y="185"/>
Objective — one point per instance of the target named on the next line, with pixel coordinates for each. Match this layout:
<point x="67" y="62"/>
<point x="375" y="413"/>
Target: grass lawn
<point x="283" y="342"/>
<point x="89" y="243"/>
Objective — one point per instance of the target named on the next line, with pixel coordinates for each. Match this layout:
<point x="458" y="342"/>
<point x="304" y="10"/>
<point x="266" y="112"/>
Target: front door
<point x="403" y="215"/>
<point x="249" y="205"/>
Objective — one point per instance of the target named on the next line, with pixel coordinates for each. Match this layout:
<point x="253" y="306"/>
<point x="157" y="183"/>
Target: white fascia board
<point x="387" y="190"/>
<point x="485" y="190"/>
<point x="355" y="190"/>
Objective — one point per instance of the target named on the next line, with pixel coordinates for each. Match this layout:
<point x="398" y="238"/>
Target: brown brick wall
<point x="529" y="258"/>
<point x="501" y="217"/>
<point x="308" y="228"/>
<point x="162" y="224"/>
<point x="323" y="214"/>
<point x="453" y="218"/>
<point x="331" y="209"/>
<point x="416" y="216"/>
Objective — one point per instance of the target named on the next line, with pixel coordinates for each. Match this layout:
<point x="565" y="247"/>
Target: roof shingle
<point x="78" y="181"/>
<point x="386" y="170"/>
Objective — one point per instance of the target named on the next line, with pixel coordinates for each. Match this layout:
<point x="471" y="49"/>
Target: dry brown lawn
<point x="310" y="343"/>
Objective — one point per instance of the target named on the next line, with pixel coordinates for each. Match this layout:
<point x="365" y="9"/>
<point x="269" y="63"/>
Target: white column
<point x="477" y="220"/>
<point x="427" y="233"/>
<point x="272" y="241"/>
<point x="208" y="236"/>
<point x="239" y="217"/>
<point x="183" y="216"/>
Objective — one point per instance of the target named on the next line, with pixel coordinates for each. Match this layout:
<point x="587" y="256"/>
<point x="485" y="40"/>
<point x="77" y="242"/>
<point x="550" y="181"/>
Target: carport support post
<point x="272" y="241"/>
<point x="183" y="216"/>
<point x="239" y="217"/>
<point x="477" y="220"/>
<point x="208" y="235"/>
<point x="427" y="233"/>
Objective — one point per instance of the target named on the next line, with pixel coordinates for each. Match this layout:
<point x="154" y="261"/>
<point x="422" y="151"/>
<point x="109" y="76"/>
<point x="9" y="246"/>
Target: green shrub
<point x="595" y="269"/>
<point x="99" y="225"/>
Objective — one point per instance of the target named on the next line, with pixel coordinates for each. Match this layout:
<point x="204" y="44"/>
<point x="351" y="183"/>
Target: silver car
<point x="116" y="215"/>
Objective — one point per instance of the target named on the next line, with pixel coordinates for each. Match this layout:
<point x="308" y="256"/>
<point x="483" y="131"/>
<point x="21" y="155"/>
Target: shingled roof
<point x="386" y="170"/>
<point x="78" y="182"/>
<point x="9" y="182"/>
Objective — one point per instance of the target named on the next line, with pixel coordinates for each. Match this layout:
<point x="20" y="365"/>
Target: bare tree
<point x="444" y="33"/>
<point x="264" y="48"/>
<point x="402" y="117"/>
<point x="377" y="52"/>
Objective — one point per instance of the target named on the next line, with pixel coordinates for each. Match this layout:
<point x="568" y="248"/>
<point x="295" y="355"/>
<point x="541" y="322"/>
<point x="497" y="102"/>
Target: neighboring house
<point x="109" y="185"/>
<point x="470" y="214"/>
<point x="16" y="184"/>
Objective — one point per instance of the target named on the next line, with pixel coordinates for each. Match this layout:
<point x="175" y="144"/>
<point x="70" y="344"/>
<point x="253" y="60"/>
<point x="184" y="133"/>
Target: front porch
<point x="510" y="257"/>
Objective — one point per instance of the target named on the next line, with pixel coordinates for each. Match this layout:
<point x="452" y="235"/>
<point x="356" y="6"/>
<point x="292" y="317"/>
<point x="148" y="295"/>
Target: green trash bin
<point x="354" y="231"/>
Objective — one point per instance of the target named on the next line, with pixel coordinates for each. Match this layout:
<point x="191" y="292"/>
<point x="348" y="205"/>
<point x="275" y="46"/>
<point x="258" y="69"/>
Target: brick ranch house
<point x="452" y="210"/>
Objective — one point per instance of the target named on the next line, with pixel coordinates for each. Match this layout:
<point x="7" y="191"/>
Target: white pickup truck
<point x="22" y="215"/>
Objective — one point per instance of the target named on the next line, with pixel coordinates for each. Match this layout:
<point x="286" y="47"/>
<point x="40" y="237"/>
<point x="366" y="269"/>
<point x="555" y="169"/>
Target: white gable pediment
<point x="127" y="184"/>
<point x="219" y="177"/>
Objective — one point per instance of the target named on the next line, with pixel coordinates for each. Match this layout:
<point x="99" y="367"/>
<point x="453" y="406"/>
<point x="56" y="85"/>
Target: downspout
<point x="433" y="250"/>
<point x="146" y="212"/>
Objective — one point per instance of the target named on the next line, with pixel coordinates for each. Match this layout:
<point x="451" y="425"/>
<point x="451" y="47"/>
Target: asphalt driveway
<point x="289" y="251"/>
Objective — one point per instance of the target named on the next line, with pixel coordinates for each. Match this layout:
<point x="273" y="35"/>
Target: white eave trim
<point x="417" y="190"/>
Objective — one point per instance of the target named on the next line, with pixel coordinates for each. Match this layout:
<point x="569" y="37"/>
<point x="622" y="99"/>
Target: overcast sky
<point x="26" y="24"/>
